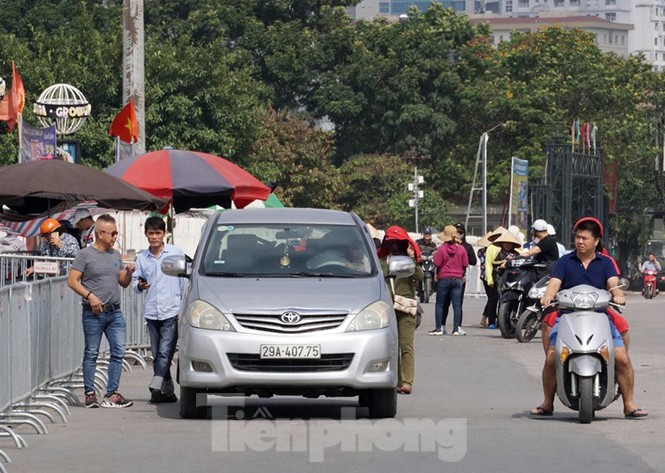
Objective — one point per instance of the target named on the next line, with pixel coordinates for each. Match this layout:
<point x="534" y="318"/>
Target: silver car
<point x="286" y="302"/>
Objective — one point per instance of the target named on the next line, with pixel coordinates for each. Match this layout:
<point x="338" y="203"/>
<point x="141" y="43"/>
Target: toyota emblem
<point x="290" y="318"/>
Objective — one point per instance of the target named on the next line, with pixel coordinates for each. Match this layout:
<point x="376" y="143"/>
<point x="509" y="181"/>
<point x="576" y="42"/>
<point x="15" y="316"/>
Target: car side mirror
<point x="176" y="266"/>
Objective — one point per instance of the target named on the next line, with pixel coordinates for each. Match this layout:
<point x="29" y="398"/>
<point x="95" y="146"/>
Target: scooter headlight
<point x="583" y="300"/>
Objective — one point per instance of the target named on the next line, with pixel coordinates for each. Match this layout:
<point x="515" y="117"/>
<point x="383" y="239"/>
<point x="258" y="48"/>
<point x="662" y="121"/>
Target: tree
<point x="296" y="157"/>
<point x="375" y="188"/>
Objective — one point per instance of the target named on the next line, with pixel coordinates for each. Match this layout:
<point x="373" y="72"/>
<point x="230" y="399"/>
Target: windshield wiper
<point x="227" y="274"/>
<point x="309" y="274"/>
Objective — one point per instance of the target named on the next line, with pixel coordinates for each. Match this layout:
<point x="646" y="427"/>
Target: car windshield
<point x="278" y="250"/>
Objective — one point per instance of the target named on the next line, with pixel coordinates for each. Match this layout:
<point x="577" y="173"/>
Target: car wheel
<point x="382" y="403"/>
<point x="189" y="409"/>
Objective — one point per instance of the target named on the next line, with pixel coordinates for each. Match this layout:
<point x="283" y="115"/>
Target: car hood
<point x="242" y="295"/>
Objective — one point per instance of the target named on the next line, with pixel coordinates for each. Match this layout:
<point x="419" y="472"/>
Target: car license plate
<point x="290" y="351"/>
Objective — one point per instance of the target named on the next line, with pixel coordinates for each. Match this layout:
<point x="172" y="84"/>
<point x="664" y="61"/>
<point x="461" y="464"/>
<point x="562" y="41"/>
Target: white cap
<point x="550" y="230"/>
<point x="80" y="214"/>
<point x="515" y="231"/>
<point x="539" y="225"/>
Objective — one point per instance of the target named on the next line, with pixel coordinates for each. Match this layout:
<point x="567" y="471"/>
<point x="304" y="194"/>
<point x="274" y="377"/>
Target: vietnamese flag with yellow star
<point x="124" y="124"/>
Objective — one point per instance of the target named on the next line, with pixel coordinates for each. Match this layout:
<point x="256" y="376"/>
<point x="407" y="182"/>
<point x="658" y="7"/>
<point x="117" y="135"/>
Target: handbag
<point x="404" y="304"/>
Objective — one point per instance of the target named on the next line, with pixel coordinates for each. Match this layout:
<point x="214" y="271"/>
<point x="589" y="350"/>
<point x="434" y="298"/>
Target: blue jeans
<point x="448" y="289"/>
<point x="112" y="324"/>
<point x="163" y="339"/>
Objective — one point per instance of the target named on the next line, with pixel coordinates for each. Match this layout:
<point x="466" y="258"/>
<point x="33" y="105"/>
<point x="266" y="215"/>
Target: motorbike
<point x="517" y="279"/>
<point x="650" y="283"/>
<point x="427" y="285"/>
<point x="531" y="319"/>
<point x="585" y="351"/>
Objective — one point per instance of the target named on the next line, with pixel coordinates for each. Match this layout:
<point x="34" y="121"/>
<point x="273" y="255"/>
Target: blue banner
<point x="37" y="143"/>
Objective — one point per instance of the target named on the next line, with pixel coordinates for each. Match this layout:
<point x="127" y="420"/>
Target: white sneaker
<point x="435" y="332"/>
<point x="460" y="331"/>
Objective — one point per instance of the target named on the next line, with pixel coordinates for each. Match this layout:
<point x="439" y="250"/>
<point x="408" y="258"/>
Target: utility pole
<point x="133" y="64"/>
<point x="416" y="193"/>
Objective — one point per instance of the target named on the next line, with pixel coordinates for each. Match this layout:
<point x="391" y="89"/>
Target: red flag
<point x="12" y="104"/>
<point x="124" y="124"/>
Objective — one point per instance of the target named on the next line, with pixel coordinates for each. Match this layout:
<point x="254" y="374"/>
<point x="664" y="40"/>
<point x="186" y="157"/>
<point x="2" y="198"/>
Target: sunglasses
<point x="113" y="234"/>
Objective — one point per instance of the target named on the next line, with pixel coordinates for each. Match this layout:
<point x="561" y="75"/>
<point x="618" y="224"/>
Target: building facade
<point x="629" y="26"/>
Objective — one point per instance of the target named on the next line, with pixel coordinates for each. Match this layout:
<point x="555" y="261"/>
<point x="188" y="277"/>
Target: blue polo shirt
<point x="570" y="270"/>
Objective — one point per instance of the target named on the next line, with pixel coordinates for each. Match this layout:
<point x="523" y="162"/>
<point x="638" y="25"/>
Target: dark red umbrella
<point x="191" y="179"/>
<point x="52" y="185"/>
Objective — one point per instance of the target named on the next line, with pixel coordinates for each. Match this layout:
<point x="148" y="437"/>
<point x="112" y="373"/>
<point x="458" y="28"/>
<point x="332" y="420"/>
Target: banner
<point x="519" y="192"/>
<point x="36" y="143"/>
<point x="123" y="150"/>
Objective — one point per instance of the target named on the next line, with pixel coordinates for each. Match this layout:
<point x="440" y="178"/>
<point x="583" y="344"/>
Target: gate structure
<point x="572" y="187"/>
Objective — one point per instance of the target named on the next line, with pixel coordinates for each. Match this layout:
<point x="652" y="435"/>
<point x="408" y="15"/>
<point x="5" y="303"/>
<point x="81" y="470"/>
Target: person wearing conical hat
<point x="503" y="247"/>
<point x="483" y="243"/>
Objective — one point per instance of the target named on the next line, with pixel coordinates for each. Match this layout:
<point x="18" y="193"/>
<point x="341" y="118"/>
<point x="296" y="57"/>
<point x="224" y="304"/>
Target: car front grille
<point x="307" y="323"/>
<point x="252" y="362"/>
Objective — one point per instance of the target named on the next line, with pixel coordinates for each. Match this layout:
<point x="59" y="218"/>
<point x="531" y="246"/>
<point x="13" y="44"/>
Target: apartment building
<point x="621" y="26"/>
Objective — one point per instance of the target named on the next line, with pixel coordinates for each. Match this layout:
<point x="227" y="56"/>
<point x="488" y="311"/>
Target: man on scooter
<point x="586" y="266"/>
<point x="426" y="243"/>
<point x="651" y="264"/>
<point x="427" y="248"/>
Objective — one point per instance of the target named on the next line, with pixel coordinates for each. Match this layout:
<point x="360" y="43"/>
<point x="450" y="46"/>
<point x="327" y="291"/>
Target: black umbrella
<point x="45" y="186"/>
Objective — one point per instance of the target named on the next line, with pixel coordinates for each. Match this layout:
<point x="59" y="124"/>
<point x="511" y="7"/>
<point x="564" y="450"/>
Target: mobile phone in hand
<point x="143" y="280"/>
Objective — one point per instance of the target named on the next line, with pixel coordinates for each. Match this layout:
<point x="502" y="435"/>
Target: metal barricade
<point x="14" y="267"/>
<point x="474" y="286"/>
<point x="41" y="350"/>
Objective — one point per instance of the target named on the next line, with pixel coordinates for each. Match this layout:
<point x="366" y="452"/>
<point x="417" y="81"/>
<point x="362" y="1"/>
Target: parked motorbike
<point x="585" y="351"/>
<point x="532" y="318"/>
<point x="519" y="276"/>
<point x="650" y="283"/>
<point x="427" y="285"/>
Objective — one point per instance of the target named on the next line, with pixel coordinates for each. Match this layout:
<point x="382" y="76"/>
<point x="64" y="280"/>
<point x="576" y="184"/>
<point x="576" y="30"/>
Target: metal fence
<point x="41" y="349"/>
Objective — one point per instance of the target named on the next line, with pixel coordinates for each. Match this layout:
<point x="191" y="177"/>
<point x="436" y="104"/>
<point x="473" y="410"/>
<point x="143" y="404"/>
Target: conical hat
<point x="484" y="242"/>
<point x="507" y="237"/>
<point x="498" y="231"/>
<point x="374" y="233"/>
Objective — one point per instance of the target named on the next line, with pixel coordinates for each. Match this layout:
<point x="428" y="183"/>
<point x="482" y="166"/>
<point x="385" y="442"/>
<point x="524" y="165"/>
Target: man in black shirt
<point x="545" y="250"/>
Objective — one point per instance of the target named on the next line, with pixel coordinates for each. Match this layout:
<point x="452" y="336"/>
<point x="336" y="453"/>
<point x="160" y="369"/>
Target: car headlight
<point x="372" y="317"/>
<point x="200" y="314"/>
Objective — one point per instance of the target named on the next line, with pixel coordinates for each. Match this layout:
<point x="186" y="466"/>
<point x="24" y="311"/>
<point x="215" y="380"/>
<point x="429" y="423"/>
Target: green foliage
<point x="247" y="79"/>
<point x="295" y="156"/>
<point x="375" y="187"/>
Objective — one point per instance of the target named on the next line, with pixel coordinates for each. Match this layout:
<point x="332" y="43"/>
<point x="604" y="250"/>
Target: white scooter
<point x="585" y="351"/>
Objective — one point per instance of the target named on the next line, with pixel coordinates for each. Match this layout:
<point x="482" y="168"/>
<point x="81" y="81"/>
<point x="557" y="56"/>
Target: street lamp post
<point x="416" y="192"/>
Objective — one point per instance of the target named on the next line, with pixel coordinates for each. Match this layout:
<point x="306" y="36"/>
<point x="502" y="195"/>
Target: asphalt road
<point x="468" y="413"/>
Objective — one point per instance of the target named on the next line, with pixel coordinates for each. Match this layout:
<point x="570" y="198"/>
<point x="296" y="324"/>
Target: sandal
<point x="540" y="412"/>
<point x="405" y="389"/>
<point x="484" y="324"/>
<point x="636" y="414"/>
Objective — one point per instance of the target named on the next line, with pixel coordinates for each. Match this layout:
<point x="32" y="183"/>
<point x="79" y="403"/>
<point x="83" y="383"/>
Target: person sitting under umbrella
<point x="58" y="244"/>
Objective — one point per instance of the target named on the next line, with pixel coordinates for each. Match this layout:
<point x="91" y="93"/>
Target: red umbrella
<point x="191" y="179"/>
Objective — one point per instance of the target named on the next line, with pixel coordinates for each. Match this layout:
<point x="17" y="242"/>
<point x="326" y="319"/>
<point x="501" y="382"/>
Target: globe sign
<point x="63" y="104"/>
